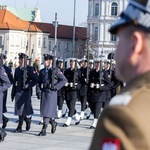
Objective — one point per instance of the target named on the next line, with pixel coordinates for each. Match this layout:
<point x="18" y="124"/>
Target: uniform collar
<point x="139" y="81"/>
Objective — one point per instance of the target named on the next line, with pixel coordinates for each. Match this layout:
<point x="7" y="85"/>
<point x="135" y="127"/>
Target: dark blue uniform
<point x="97" y="92"/>
<point x="10" y="76"/>
<point x="23" y="104"/>
<point x="4" y="85"/>
<point x="48" y="107"/>
<point x="83" y="90"/>
<point x="22" y="96"/>
<point x="60" y="99"/>
<point x="71" y="93"/>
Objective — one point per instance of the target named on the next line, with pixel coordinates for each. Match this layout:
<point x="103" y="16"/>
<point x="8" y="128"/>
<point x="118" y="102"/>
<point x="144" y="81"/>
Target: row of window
<point x="95" y="37"/>
<point x="114" y="9"/>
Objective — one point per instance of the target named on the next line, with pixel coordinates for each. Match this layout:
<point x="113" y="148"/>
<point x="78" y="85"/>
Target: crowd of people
<point x="91" y="85"/>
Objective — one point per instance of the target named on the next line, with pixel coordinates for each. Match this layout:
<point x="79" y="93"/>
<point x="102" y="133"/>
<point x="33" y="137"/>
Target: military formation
<point x="89" y="81"/>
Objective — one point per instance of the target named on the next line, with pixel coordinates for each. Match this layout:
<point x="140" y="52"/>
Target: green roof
<point x="27" y="14"/>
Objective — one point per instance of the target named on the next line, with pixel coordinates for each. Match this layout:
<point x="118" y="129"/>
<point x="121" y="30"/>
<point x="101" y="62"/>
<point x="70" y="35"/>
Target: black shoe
<point x="87" y="117"/>
<point x="5" y="121"/>
<point x="91" y="127"/>
<point x="2" y="135"/>
<point x="40" y="122"/>
<point x="43" y="131"/>
<point x="77" y="122"/>
<point x="28" y="123"/>
<point x="54" y="125"/>
<point x="18" y="130"/>
<point x="65" y="125"/>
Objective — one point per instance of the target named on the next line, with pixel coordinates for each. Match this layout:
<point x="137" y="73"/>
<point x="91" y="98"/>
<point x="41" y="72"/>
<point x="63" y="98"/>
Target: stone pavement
<point x="69" y="138"/>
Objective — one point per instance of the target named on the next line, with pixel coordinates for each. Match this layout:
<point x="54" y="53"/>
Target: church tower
<point x="101" y="14"/>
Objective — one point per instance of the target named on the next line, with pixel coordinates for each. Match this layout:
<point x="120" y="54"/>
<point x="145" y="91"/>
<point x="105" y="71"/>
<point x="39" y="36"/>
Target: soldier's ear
<point x="137" y="42"/>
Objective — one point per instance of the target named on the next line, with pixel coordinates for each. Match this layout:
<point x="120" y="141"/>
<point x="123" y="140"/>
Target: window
<point x="97" y="9"/>
<point x="67" y="47"/>
<point x="50" y="46"/>
<point x="113" y="37"/>
<point x="0" y="40"/>
<point x="39" y="42"/>
<point x="21" y="42"/>
<point x="44" y="42"/>
<point x="114" y="9"/>
<point x="25" y="43"/>
<point x="58" y="46"/>
<point x="96" y="34"/>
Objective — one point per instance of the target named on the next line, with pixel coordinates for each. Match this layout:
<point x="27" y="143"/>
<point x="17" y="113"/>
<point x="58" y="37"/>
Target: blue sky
<point x="64" y="9"/>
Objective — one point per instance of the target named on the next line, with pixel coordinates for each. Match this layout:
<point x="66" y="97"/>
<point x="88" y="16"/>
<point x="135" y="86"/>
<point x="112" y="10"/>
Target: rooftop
<point x="8" y="21"/>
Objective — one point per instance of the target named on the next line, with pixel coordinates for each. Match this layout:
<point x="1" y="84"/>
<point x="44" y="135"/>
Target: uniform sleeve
<point x="61" y="79"/>
<point x="119" y="123"/>
<point x="14" y="85"/>
<point x="10" y="76"/>
<point x="33" y="77"/>
<point x="4" y="79"/>
<point x="107" y="82"/>
<point x="38" y="90"/>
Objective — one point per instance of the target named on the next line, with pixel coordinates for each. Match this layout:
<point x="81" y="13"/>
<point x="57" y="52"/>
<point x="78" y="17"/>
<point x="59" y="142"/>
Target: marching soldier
<point x="4" y="85"/>
<point x="10" y="76"/>
<point x="48" y="93"/>
<point x="108" y="69"/>
<point x="91" y="64"/>
<point x="97" y="92"/>
<point x="22" y="93"/>
<point x="83" y="89"/>
<point x="71" y="91"/>
<point x="88" y="110"/>
<point x="61" y="92"/>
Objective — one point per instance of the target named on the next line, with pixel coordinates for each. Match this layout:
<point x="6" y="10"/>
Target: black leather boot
<point x="43" y="131"/>
<point x="54" y="125"/>
<point x="19" y="128"/>
<point x="28" y="123"/>
<point x="2" y="135"/>
<point x="5" y="121"/>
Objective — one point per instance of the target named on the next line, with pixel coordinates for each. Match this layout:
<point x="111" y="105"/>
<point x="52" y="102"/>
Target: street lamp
<point x="73" y="44"/>
<point x="55" y="23"/>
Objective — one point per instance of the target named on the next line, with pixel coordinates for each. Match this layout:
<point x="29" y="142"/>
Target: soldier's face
<point x="97" y="65"/>
<point x="48" y="63"/>
<point x="72" y="64"/>
<point x="60" y="64"/>
<point x="122" y="54"/>
<point x="21" y="61"/>
<point x="91" y="65"/>
<point x="84" y="64"/>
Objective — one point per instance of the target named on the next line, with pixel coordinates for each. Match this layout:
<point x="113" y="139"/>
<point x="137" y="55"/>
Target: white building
<point x="16" y="33"/>
<point x="101" y="14"/>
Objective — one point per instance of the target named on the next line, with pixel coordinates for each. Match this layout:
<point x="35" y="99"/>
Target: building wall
<point x="102" y="21"/>
<point x="13" y="42"/>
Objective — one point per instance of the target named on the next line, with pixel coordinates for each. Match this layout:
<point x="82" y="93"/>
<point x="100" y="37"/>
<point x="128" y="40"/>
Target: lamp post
<point x="55" y="23"/>
<point x="74" y="17"/>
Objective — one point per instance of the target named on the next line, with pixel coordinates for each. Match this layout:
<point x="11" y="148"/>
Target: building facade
<point x="36" y="38"/>
<point x="101" y="15"/>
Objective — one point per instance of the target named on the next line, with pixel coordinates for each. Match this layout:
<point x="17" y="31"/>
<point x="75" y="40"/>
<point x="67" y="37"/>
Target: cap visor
<point x="120" y="22"/>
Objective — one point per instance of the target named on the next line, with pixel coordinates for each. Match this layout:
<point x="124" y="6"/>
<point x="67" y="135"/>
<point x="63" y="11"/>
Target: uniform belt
<point x="45" y="85"/>
<point x="18" y="84"/>
<point x="97" y="86"/>
<point x="70" y="84"/>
